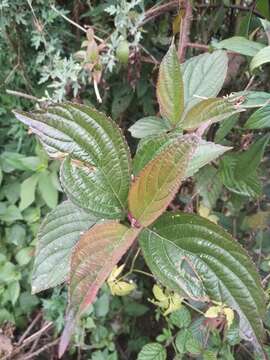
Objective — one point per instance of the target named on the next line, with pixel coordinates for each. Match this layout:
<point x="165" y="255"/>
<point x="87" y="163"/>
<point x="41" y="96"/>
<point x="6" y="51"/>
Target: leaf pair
<point x="181" y="92"/>
<point x="96" y="157"/>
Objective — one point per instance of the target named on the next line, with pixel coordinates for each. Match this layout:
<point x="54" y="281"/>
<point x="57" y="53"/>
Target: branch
<point x="39" y="351"/>
<point x="156" y="11"/>
<point x="184" y="31"/>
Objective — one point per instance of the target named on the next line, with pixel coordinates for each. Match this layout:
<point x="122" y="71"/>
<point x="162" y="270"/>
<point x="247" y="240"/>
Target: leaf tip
<point x="67" y="333"/>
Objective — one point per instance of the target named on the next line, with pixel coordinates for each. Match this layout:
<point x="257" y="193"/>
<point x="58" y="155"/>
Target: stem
<point x="156" y="11"/>
<point x="143" y="272"/>
<point x="21" y="94"/>
<point x="192" y="307"/>
<point x="74" y="23"/>
<point x="185" y="25"/>
<point x="97" y="92"/>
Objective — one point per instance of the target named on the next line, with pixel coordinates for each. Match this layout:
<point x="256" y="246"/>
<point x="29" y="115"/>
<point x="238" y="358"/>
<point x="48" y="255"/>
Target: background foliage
<point x="45" y="56"/>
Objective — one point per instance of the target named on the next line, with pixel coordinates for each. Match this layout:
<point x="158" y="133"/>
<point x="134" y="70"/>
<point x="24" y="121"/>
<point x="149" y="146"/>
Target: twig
<point x="250" y="82"/>
<point x="265" y="279"/>
<point x="30" y="327"/>
<point x="184" y="31"/>
<point x="198" y="46"/>
<point x="21" y="94"/>
<point x="39" y="351"/>
<point x="38" y="333"/>
<point x="74" y="23"/>
<point x="156" y="11"/>
<point x="27" y="341"/>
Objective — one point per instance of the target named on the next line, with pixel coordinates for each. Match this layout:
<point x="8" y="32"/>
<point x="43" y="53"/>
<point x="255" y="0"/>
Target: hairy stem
<point x="185" y="25"/>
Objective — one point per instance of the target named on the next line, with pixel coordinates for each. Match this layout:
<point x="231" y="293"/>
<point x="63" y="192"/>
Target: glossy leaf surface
<point x="170" y="87"/>
<point x="157" y="183"/>
<point x="203" y="76"/>
<point x="95" y="152"/>
<point x="218" y="261"/>
<point x="210" y="110"/>
<point x="204" y="153"/>
<point x="149" y="126"/>
<point x="57" y="236"/>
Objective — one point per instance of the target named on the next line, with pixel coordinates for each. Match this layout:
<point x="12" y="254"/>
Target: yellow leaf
<point x="116" y="271"/>
<point x="159" y="294"/>
<point x="175" y="303"/>
<point x="213" y="312"/>
<point x="121" y="288"/>
<point x="205" y="212"/>
<point x="177" y="21"/>
<point x="229" y="314"/>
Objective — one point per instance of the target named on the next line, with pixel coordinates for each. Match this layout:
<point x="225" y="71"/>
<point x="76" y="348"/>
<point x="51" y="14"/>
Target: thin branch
<point x="250" y="82"/>
<point x="184" y="31"/>
<point x="21" y="94"/>
<point x="198" y="46"/>
<point x="39" y="351"/>
<point x="157" y="11"/>
<point x="30" y="327"/>
<point x="74" y="23"/>
<point x="38" y="333"/>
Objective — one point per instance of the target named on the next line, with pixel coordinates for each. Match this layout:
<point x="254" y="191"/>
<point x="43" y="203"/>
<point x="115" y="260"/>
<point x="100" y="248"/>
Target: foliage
<point x="200" y="153"/>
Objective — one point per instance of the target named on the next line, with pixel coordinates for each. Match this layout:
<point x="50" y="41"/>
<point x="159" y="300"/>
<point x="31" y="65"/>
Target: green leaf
<point x="1" y="175"/>
<point x="93" y="259"/>
<point x="259" y="119"/>
<point x="13" y="291"/>
<point x="148" y="126"/>
<point x="181" y="340"/>
<point x="225" y="127"/>
<point x="181" y="318"/>
<point x="21" y="162"/>
<point x="253" y="99"/>
<point x="25" y="255"/>
<point x="96" y="170"/>
<point x="28" y="189"/>
<point x="249" y="186"/>
<point x="8" y="272"/>
<point x="240" y="45"/>
<point x="249" y="160"/>
<point x="205" y="152"/>
<point x="11" y="214"/>
<point x="170" y="88"/>
<point x="209" y="355"/>
<point x="193" y="346"/>
<point x="47" y="189"/>
<point x="208" y="185"/>
<point x="203" y="76"/>
<point x="159" y="180"/>
<point x="152" y="351"/>
<point x="210" y="110"/>
<point x="57" y="236"/>
<point x="262" y="57"/>
<point x="221" y="264"/>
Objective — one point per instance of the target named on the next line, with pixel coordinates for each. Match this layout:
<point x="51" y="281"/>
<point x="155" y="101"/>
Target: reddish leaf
<point x="159" y="180"/>
<point x="94" y="257"/>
